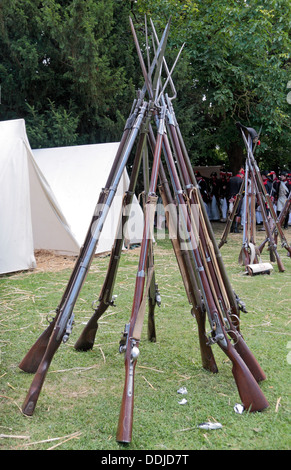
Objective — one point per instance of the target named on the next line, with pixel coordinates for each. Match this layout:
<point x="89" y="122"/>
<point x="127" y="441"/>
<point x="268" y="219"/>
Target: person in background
<point x="222" y="196"/>
<point x="202" y="185"/>
<point x="266" y="181"/>
<point x="214" y="185"/>
<point x="273" y="184"/>
<point x="234" y="185"/>
<point x="282" y="194"/>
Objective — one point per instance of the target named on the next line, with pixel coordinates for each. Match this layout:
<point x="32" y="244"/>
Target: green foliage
<point x="57" y="126"/>
<point x="238" y="61"/>
<point x="74" y="54"/>
<point x="80" y="56"/>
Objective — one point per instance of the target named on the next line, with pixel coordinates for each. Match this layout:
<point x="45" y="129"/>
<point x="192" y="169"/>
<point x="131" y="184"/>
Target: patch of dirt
<point x="49" y="261"/>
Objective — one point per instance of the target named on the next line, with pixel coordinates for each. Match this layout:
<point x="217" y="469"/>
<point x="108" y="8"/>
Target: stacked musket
<point x="255" y="193"/>
<point x="204" y="276"/>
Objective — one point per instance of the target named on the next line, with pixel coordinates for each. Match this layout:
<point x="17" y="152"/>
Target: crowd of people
<point x="219" y="193"/>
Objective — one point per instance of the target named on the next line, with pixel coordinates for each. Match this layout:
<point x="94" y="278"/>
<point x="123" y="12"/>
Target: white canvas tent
<point x="76" y="176"/>
<point x="48" y="196"/>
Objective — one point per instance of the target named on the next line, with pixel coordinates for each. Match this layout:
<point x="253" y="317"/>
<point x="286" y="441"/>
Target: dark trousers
<point x="285" y="221"/>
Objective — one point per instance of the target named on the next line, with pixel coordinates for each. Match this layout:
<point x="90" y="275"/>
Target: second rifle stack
<point x="206" y="283"/>
<point x="253" y="193"/>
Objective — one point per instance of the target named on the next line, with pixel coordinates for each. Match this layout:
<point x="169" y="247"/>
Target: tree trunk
<point x="236" y="157"/>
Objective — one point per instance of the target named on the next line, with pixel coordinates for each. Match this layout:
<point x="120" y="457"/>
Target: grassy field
<point x="79" y="404"/>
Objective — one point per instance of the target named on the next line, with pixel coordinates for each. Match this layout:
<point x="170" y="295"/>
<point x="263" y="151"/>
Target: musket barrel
<point x="86" y="340"/>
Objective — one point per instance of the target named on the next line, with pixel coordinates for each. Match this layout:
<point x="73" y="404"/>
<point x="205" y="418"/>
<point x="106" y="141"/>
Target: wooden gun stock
<point x="124" y="429"/>
<point x="87" y="338"/>
<point x="152" y="336"/>
<point x="244" y="256"/>
<point x="207" y="356"/>
<point x="249" y="359"/>
<point x="262" y="245"/>
<point x="34" y="356"/>
<point x="38" y="380"/>
<point x="250" y="393"/>
<point x="278" y="259"/>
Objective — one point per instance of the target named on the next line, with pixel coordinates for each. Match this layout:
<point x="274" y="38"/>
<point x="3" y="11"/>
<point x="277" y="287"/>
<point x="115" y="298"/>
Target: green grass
<point x="82" y="391"/>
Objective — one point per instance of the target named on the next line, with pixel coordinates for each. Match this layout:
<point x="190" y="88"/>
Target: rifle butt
<point x="151" y="327"/>
<point x="207" y="356"/>
<point x="262" y="246"/>
<point x="221" y="243"/>
<point x="152" y="336"/>
<point x="124" y="430"/>
<point x="276" y="238"/>
<point x="30" y="401"/>
<point x="250" y="360"/>
<point x="86" y="340"/>
<point x="250" y="393"/>
<point x="33" y="358"/>
<point x="272" y="256"/>
<point x="279" y="262"/>
<point x="244" y="257"/>
<point x="32" y="396"/>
